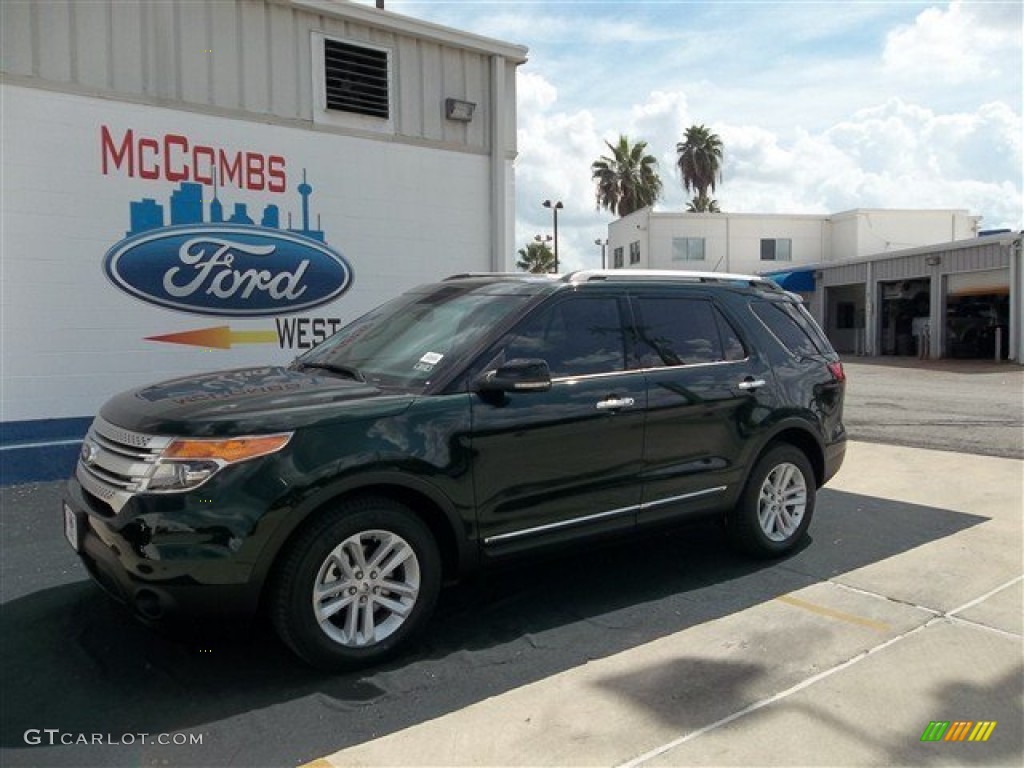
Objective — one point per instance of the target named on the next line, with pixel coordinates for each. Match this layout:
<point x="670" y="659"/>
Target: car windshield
<point x="407" y="342"/>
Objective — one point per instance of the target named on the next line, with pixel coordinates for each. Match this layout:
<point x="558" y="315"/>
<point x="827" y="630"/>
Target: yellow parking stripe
<point x="832" y="613"/>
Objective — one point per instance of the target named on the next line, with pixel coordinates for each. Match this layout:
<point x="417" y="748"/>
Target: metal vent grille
<point x="356" y="79"/>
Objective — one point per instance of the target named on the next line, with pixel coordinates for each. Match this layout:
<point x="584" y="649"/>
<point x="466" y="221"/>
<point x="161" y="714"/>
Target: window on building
<point x="617" y="262"/>
<point x="357" y="79"/>
<point x="687" y="249"/>
<point x="634" y="252"/>
<point x="684" y="332"/>
<point x="777" y="249"/>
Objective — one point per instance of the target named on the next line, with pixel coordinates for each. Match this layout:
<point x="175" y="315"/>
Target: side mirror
<point x="519" y="375"/>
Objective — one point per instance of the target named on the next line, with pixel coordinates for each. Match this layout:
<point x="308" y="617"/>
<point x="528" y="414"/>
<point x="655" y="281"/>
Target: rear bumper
<point x="834" y="455"/>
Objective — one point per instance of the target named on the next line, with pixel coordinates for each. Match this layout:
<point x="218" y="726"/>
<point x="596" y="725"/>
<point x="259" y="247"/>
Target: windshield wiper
<point x="344" y="370"/>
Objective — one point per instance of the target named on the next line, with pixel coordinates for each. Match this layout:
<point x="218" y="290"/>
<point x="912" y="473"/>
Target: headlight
<point x="187" y="463"/>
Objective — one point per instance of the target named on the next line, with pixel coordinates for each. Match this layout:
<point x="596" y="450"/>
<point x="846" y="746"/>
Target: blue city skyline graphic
<point x="187" y="207"/>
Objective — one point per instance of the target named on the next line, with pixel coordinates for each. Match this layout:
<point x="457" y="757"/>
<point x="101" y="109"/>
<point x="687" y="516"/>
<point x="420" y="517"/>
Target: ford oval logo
<point x="238" y="271"/>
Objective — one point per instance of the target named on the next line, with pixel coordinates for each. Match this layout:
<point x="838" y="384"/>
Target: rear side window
<point x="792" y="329"/>
<point x="679" y="331"/>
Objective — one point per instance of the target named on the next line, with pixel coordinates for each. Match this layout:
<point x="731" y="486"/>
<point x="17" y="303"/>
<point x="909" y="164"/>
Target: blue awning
<point x="798" y="281"/>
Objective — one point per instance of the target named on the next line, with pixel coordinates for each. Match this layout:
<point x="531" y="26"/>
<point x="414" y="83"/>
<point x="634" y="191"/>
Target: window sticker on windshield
<point x="428" y="361"/>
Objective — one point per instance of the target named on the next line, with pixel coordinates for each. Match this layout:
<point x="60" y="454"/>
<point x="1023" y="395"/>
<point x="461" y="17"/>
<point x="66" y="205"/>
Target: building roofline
<point x="407" y="25"/>
<point x="1002" y="238"/>
<point x="807" y="216"/>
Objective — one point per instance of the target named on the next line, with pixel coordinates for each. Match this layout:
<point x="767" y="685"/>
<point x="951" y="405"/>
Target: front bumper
<point x="156" y="564"/>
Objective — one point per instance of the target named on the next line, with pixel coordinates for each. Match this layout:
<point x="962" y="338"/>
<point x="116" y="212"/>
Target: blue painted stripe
<point x="40" y="449"/>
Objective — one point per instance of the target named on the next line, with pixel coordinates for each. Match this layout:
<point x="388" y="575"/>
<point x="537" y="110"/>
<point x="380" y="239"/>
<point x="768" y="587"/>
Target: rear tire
<point x="777" y="504"/>
<point x="356" y="585"/>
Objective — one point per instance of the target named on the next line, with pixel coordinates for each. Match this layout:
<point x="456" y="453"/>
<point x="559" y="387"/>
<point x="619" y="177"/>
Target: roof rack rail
<point x="588" y="275"/>
<point x="468" y="275"/>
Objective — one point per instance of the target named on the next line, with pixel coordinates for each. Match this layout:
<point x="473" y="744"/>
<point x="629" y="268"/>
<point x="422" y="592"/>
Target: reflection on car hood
<point x="248" y="400"/>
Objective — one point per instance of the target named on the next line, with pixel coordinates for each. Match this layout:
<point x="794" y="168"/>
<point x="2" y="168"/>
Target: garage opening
<point x="978" y="315"/>
<point x="905" y="309"/>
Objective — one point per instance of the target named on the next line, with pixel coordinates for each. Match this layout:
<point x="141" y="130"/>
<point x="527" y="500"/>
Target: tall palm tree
<point x="703" y="204"/>
<point x="536" y="258"/>
<point x="628" y="180"/>
<point x="699" y="159"/>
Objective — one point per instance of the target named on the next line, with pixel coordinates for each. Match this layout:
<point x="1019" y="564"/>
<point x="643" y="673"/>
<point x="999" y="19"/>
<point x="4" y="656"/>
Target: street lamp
<point x="603" y="245"/>
<point x="555" y="206"/>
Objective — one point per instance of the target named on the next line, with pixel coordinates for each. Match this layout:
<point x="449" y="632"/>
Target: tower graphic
<point x="186" y="207"/>
<point x="305" y="190"/>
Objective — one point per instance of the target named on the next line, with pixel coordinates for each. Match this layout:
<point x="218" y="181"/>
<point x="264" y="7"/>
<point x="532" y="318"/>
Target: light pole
<point x="555" y="207"/>
<point x="603" y="245"/>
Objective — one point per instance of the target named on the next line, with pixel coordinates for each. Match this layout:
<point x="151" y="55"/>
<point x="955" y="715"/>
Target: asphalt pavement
<point x="903" y="609"/>
<point x="974" y="406"/>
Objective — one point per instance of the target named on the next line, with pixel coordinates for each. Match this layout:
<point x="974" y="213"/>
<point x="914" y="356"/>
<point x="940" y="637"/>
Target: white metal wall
<point x="161" y="81"/>
<point x="253" y="57"/>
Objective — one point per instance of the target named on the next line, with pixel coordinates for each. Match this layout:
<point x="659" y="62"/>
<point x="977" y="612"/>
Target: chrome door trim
<point x="600" y="515"/>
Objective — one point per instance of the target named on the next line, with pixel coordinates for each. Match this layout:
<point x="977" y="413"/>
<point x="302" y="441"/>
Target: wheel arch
<point x="803" y="438"/>
<point x="428" y="504"/>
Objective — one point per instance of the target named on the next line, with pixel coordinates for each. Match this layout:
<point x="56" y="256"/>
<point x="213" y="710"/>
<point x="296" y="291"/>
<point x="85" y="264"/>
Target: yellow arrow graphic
<point x="218" y="337"/>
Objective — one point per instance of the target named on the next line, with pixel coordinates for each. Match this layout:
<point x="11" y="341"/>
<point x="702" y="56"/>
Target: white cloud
<point x="821" y="107"/>
<point x="957" y="44"/>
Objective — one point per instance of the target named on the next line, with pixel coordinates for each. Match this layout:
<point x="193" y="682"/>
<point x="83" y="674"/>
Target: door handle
<point x="614" y="403"/>
<point x="749" y="384"/>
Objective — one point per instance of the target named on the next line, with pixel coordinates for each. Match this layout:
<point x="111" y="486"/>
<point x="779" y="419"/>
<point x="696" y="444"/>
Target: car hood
<point x="249" y="401"/>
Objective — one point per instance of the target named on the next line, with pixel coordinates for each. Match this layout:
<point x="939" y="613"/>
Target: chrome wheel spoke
<point x="368" y="627"/>
<point x="400" y="588"/>
<point x="329" y="608"/>
<point x="354" y="548"/>
<point x="398" y="555"/>
<point x="397" y="608"/>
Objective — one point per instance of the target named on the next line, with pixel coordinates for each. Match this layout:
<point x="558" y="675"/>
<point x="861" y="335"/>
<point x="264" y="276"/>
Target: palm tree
<point x="699" y="159"/>
<point x="703" y="204"/>
<point x="536" y="258"/>
<point x="628" y="180"/>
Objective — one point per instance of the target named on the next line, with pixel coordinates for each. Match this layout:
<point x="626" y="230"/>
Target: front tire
<point x="777" y="504"/>
<point x="356" y="585"/>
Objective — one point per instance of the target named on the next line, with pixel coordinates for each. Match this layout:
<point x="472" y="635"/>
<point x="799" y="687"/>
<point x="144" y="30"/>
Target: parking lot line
<point x="832" y="613"/>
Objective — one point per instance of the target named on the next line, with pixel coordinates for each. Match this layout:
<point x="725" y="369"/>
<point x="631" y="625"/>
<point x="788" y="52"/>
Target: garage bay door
<point x="994" y="282"/>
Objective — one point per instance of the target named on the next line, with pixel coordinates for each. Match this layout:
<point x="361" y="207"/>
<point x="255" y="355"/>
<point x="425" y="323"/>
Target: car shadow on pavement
<point x="77" y="662"/>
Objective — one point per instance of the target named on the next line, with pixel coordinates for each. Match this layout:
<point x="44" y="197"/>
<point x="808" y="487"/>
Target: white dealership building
<point x="221" y="183"/>
<point x="880" y="282"/>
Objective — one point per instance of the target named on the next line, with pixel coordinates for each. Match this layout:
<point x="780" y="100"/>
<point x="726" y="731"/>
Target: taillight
<point x="836" y="369"/>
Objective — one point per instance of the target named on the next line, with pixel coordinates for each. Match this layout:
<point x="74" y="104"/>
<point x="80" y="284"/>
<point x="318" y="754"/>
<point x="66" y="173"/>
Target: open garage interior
<point x="950" y="300"/>
<point x="978" y="315"/>
<point x="906" y="307"/>
<point x="844" y="317"/>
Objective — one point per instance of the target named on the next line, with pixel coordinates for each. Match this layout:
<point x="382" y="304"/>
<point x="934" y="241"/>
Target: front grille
<point x="115" y="461"/>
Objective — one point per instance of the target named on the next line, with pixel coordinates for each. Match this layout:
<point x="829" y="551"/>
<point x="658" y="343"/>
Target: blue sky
<point x="821" y="106"/>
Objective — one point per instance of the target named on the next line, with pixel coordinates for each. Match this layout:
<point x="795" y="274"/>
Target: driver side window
<point x="577" y="337"/>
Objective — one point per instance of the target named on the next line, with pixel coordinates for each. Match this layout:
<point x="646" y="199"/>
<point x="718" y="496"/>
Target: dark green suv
<point x="461" y="423"/>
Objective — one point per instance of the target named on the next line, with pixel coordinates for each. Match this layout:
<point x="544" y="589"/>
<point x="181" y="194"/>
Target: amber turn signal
<point x="228" y="451"/>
